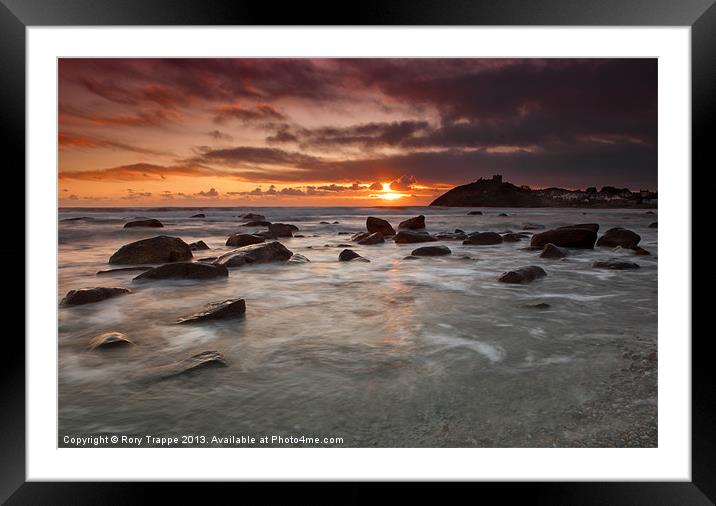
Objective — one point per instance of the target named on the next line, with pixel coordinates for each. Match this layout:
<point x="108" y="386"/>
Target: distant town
<point x="494" y="192"/>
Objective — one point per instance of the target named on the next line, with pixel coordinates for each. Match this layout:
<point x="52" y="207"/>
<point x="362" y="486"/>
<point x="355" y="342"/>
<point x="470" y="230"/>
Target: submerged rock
<point x="200" y="215"/>
<point x="198" y="246"/>
<point x="410" y="236"/>
<point x="503" y="215"/>
<point x="109" y="340"/>
<point x="539" y="305"/>
<point x="155" y="250"/>
<point x="254" y="216"/>
<point x="89" y="295"/>
<point x="522" y="275"/>
<point x="413" y="223"/>
<point x="257" y="223"/>
<point x="615" y="264"/>
<point x="297" y="258"/>
<point x="475" y="213"/>
<point x="376" y="238"/>
<point x="184" y="270"/>
<point x="231" y="308"/>
<point x="533" y="226"/>
<point x="144" y="223"/>
<point x="552" y="251"/>
<point x="379" y="225"/>
<point x="654" y="225"/>
<point x="239" y="240"/>
<point x="348" y="255"/>
<point x="619" y="237"/>
<point x="255" y="254"/>
<point x="483" y="238"/>
<point x="124" y="269"/>
<point x="431" y="251"/>
<point x="451" y="236"/>
<point x="203" y="360"/>
<point x="576" y="236"/>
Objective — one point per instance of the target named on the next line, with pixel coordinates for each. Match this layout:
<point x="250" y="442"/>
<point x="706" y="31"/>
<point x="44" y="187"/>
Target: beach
<point x="394" y="352"/>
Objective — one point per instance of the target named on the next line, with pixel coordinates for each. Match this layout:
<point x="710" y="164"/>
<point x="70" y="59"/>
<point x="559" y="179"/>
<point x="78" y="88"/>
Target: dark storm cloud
<point x="575" y="120"/>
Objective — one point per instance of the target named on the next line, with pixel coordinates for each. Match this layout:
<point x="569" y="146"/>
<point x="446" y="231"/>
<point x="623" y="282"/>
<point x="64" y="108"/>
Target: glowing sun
<point x="388" y="194"/>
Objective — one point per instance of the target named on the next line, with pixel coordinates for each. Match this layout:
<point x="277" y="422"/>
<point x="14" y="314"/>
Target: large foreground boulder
<point x="577" y="236"/>
<point x="522" y="275"/>
<point x="614" y="264"/>
<point x="89" y="295"/>
<point x="379" y="225"/>
<point x="619" y="237"/>
<point x="240" y="240"/>
<point x="431" y="251"/>
<point x="413" y="223"/>
<point x="410" y="236"/>
<point x="255" y="254"/>
<point x="109" y="340"/>
<point x="231" y="308"/>
<point x="376" y="238"/>
<point x="483" y="238"/>
<point x="184" y="270"/>
<point x="155" y="250"/>
<point x="144" y="223"/>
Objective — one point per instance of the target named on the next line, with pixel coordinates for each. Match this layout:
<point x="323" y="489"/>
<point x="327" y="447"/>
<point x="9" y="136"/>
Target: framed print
<point x="417" y="246"/>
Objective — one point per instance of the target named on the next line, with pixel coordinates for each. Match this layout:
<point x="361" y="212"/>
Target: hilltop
<point x="496" y="193"/>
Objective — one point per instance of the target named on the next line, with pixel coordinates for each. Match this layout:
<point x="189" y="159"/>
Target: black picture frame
<point x="700" y="15"/>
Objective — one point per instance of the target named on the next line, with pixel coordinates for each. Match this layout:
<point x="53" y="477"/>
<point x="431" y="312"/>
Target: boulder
<point x="522" y="275"/>
<point x="411" y="257"/>
<point x="594" y="227"/>
<point x="577" y="236"/>
<point x="379" y="225"/>
<point x="503" y="215"/>
<point x="109" y="340"/>
<point x="282" y="229"/>
<point x="654" y="225"/>
<point x="483" y="238"/>
<point x="360" y="236"/>
<point x="323" y="223"/>
<point x="297" y="258"/>
<point x="539" y="305"/>
<point x="198" y="246"/>
<point x="533" y="226"/>
<point x="257" y="223"/>
<point x="552" y="251"/>
<point x="511" y="237"/>
<point x="203" y="360"/>
<point x="614" y="264"/>
<point x="475" y="213"/>
<point x="413" y="223"/>
<point x="155" y="250"/>
<point x="336" y="223"/>
<point x="78" y="218"/>
<point x="431" y="251"/>
<point x="410" y="236"/>
<point x="255" y="254"/>
<point x="254" y="216"/>
<point x="619" y="237"/>
<point x="144" y="223"/>
<point x="200" y="215"/>
<point x="239" y="240"/>
<point x="348" y="255"/>
<point x="89" y="295"/>
<point x="376" y="238"/>
<point x="231" y="308"/>
<point x="184" y="270"/>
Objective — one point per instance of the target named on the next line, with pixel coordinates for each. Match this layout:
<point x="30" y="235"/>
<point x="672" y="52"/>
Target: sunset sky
<point x="268" y="132"/>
